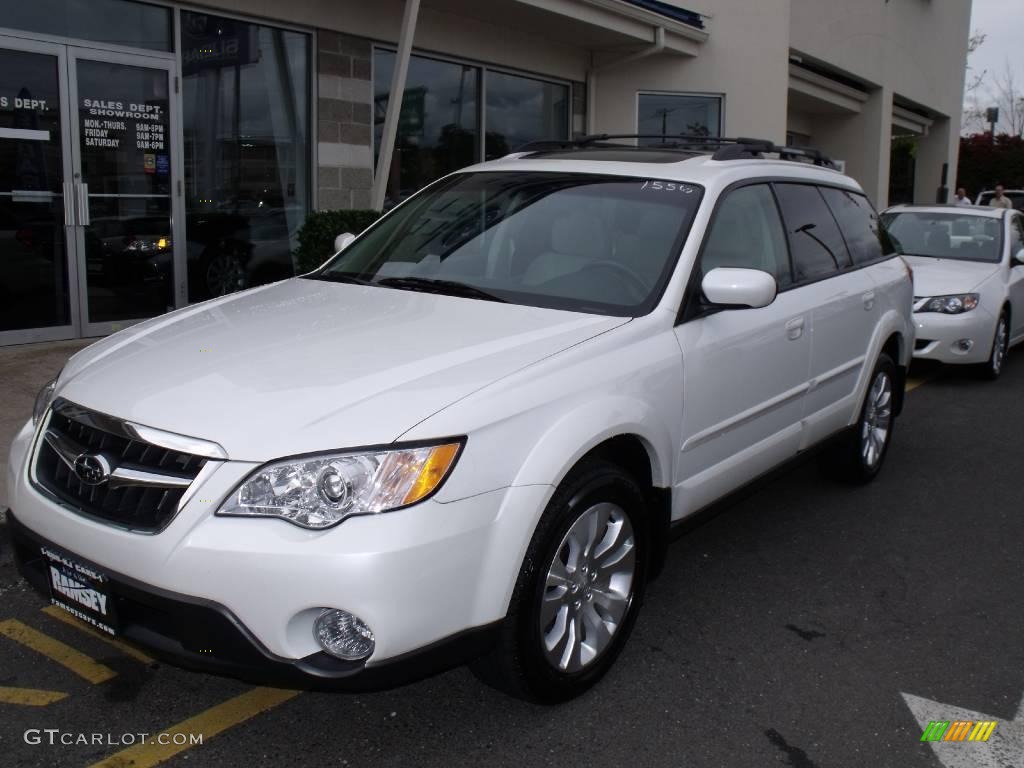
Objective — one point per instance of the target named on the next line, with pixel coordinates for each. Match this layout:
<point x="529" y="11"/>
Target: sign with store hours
<point x="119" y="124"/>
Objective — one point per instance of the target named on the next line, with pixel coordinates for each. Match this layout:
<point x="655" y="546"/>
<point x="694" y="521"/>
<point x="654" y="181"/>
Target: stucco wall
<point x="915" y="47"/>
<point x="746" y="58"/>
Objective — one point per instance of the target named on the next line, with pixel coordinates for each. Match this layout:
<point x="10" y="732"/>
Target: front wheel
<point x="1000" y="344"/>
<point x="578" y="591"/>
<point x="859" y="454"/>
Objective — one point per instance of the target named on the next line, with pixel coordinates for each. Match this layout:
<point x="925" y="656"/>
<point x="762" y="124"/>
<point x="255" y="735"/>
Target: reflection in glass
<point x="246" y="107"/>
<point x="117" y="22"/>
<point x="33" y="265"/>
<point x="129" y="258"/>
<point x="521" y="110"/>
<point x="667" y="114"/>
<point x="438" y="127"/>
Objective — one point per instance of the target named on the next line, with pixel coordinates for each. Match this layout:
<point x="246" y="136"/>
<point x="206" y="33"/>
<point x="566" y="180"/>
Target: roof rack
<point x="724" y="148"/>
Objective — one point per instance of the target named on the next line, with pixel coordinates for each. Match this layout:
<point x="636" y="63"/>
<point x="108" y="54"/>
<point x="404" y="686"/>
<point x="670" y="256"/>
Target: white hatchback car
<point x="467" y="436"/>
<point x="968" y="281"/>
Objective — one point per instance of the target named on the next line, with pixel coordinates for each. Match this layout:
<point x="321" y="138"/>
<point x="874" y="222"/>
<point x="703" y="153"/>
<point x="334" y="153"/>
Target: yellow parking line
<point x="63" y="654"/>
<point x="29" y="697"/>
<point x="61" y="615"/>
<point x="206" y="724"/>
<point x="913" y="384"/>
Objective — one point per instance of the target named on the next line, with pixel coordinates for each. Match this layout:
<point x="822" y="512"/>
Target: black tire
<point x="993" y="368"/>
<point x="519" y="664"/>
<point x="850" y="458"/>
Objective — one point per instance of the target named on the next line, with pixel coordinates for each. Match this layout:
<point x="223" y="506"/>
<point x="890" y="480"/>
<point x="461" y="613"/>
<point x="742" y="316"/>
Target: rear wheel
<point x="859" y="454"/>
<point x="1000" y="345"/>
<point x="578" y="591"/>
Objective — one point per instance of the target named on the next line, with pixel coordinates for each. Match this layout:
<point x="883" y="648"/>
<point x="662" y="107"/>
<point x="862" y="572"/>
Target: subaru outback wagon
<point x="467" y="436"/>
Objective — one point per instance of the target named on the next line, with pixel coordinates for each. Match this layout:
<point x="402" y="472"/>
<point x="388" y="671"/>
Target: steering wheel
<point x="636" y="283"/>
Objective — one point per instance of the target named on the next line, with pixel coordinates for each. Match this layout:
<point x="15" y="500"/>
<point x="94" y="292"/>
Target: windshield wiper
<point x="340" y="277"/>
<point x="445" y="287"/>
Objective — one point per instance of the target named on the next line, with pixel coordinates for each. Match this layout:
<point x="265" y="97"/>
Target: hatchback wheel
<point x="578" y="591"/>
<point x="1000" y="345"/>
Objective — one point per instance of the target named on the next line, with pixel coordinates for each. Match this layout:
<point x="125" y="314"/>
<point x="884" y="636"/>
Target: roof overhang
<point x="811" y="92"/>
<point x="615" y="26"/>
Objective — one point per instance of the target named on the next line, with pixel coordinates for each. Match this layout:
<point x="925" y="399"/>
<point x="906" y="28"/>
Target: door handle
<point x="83" y="203"/>
<point x="69" y="204"/>
<point x="795" y="328"/>
<point x="869" y="300"/>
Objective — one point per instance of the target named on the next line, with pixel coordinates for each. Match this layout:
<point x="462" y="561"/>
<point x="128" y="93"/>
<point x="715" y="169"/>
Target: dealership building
<point x="157" y="154"/>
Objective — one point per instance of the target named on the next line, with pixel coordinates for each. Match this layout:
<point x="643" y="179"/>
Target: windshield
<point x="960" y="236"/>
<point x="581" y="242"/>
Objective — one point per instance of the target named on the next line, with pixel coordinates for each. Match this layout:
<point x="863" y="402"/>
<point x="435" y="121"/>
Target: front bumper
<point x="202" y="635"/>
<point x="938" y="336"/>
<point x="424" y="577"/>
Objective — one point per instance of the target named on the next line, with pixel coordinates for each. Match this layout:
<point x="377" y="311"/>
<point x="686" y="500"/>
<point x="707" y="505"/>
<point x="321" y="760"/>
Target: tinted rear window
<point x="865" y="238"/>
<point x="816" y="245"/>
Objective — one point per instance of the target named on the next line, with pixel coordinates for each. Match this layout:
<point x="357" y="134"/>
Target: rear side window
<point x="814" y="239"/>
<point x="747" y="232"/>
<point x="865" y="238"/>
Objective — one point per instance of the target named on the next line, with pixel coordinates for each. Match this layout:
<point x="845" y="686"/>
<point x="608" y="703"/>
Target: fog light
<point x="343" y="635"/>
<point x="964" y="345"/>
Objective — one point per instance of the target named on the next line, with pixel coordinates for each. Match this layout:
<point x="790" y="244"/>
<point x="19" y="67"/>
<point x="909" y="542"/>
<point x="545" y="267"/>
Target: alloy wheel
<point x="224" y="275"/>
<point x="589" y="587"/>
<point x="877" y="420"/>
<point x="999" y="346"/>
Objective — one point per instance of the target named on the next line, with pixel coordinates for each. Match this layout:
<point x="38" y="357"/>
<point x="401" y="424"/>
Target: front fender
<point x="578" y="432"/>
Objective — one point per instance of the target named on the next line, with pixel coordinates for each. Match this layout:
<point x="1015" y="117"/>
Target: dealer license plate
<point x="80" y="590"/>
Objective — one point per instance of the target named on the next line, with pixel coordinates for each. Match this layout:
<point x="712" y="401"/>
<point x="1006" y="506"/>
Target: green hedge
<point x="317" y="233"/>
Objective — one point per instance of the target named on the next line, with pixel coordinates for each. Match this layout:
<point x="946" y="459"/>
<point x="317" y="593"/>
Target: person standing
<point x="1000" y="200"/>
<point x="960" y="198"/>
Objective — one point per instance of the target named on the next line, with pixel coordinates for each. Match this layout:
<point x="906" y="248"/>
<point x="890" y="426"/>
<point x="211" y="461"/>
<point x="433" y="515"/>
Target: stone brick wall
<point x="344" y="121"/>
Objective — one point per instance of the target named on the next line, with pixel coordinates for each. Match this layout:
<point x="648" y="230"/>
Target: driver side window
<point x="1016" y="236"/>
<point x="747" y="232"/>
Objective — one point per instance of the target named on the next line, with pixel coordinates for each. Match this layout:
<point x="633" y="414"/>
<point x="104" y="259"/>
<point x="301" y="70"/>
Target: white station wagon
<point x="468" y="435"/>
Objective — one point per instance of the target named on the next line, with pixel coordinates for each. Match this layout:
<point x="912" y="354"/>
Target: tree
<point x="1009" y="97"/>
<point x="973" y="119"/>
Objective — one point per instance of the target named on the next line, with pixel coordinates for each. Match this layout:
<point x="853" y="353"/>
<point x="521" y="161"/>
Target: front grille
<point x="141" y="507"/>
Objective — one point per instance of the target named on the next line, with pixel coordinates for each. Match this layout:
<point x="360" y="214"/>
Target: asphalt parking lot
<point x="806" y="624"/>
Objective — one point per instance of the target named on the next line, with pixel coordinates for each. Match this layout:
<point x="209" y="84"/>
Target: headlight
<point x="43" y="400"/>
<point x="322" y="490"/>
<point x="148" y="244"/>
<point x="950" y="305"/>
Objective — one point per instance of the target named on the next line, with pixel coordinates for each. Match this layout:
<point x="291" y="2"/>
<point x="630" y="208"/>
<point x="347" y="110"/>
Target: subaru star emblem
<point x="92" y="469"/>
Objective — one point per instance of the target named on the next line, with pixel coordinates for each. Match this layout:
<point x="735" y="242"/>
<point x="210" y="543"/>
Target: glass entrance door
<point x="88" y="208"/>
<point x="38" y="294"/>
<point x="124" y="181"/>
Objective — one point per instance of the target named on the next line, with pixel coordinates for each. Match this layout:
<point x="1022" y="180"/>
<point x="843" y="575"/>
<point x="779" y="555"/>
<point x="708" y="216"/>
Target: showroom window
<point x="667" y="114"/>
<point x="115" y="22"/>
<point x="245" y="96"/>
<point x="442" y="111"/>
<point x="439" y="123"/>
<point x="521" y="110"/>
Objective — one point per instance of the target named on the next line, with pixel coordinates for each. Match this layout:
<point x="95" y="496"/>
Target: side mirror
<point x="341" y="242"/>
<point x="733" y="287"/>
<point x="1018" y="257"/>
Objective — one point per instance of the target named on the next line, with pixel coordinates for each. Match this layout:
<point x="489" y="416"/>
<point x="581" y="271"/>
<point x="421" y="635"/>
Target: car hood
<point x="942" y="277"/>
<point x="304" y="365"/>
